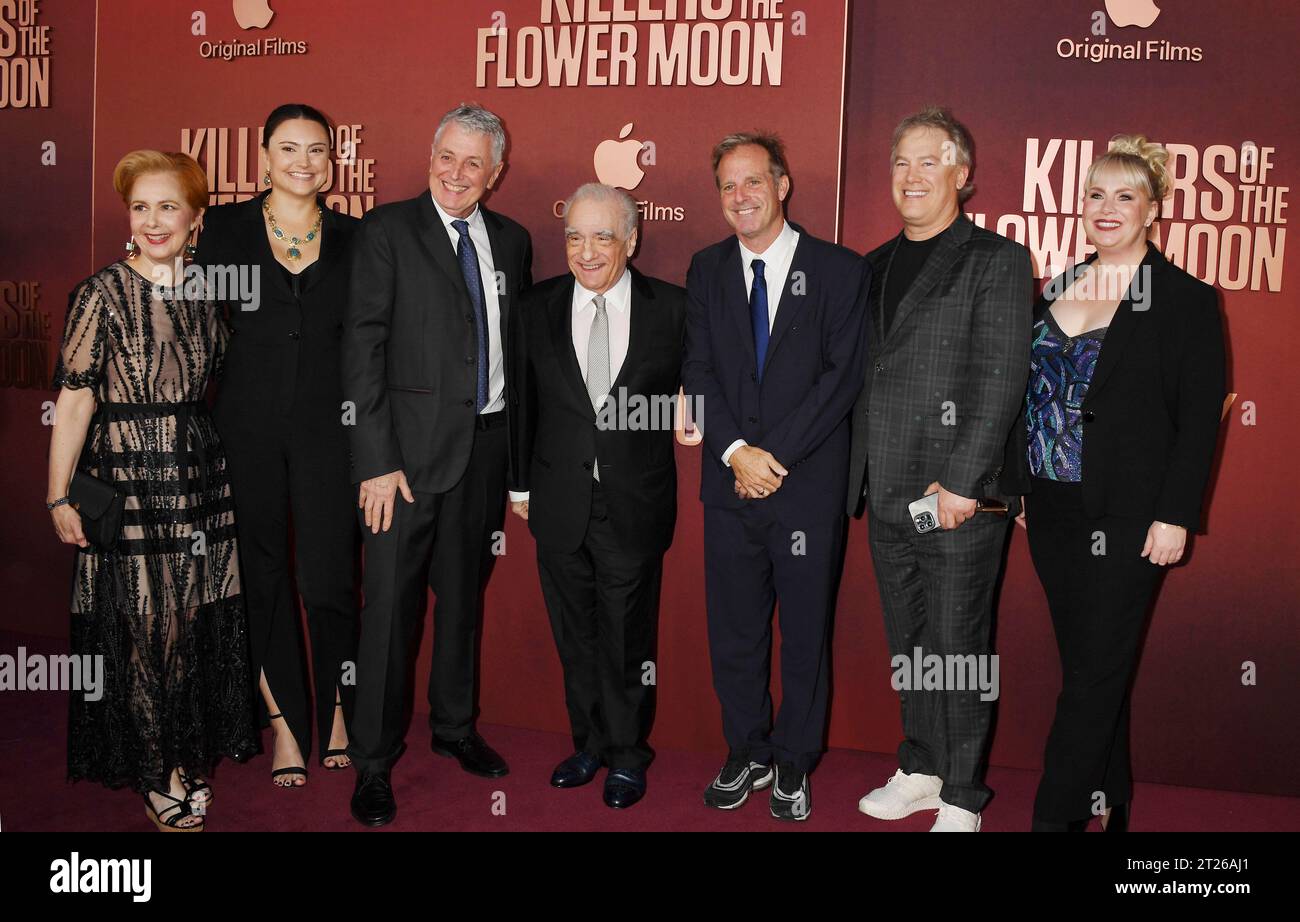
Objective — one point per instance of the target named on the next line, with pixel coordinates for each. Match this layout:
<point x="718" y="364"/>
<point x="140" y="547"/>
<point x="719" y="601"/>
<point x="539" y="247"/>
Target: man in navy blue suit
<point x="776" y="327"/>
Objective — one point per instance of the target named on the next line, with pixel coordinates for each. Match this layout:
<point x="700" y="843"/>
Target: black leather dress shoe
<point x="373" y="803"/>
<point x="624" y="787"/>
<point x="575" y="771"/>
<point x="474" y="755"/>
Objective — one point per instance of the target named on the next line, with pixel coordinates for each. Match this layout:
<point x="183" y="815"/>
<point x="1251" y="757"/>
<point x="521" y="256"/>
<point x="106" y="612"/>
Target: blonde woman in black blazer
<point x="1114" y="450"/>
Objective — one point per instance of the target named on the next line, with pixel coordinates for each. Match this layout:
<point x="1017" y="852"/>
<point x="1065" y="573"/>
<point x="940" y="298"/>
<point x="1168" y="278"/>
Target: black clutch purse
<point x="100" y="505"/>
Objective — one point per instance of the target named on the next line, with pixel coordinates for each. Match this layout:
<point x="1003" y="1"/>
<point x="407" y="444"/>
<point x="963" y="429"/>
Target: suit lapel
<point x="560" y="316"/>
<point x="1120" y="332"/>
<point x="641" y="304"/>
<point x="500" y="260"/>
<point x="433" y="237"/>
<point x="255" y="223"/>
<point x="946" y="252"/>
<point x="332" y="245"/>
<point x="790" y="303"/>
<point x="734" y="296"/>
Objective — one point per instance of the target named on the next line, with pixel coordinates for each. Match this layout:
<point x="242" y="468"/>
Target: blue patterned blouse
<point x="1060" y="369"/>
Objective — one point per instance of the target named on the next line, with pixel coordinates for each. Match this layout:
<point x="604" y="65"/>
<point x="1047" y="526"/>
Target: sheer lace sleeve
<point x="219" y="332"/>
<point x="85" y="339"/>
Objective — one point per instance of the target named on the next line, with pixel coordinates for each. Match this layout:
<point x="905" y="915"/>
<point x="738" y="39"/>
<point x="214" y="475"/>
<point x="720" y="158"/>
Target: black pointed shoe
<point x="575" y="771"/>
<point x="373" y="803"/>
<point x="473" y="754"/>
<point x="624" y="787"/>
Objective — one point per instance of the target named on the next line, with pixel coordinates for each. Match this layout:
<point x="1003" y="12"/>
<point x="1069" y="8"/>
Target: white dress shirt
<point x="483" y="246"/>
<point x="776" y="270"/>
<point x="618" y="308"/>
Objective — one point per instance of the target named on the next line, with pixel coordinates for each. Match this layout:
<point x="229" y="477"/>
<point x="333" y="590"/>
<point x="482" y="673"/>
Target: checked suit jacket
<point x="943" y="386"/>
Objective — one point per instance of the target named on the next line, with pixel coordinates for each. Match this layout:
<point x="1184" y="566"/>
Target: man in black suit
<point x="947" y="367"/>
<point x="775" y="339"/>
<point x="426" y="347"/>
<point x="599" y="361"/>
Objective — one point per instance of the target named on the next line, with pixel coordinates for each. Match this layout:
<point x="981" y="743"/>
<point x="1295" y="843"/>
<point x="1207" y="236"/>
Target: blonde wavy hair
<point x="1143" y="164"/>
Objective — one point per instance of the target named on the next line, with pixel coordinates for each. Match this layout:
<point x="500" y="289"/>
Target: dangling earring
<point x="132" y="249"/>
<point x="266" y="178"/>
<point x="190" y="250"/>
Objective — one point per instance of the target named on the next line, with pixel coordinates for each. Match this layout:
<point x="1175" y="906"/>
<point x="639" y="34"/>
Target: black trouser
<point x="604" y="610"/>
<point x="1099" y="604"/>
<point x="441" y="541"/>
<point x="282" y="471"/>
<point x="752" y="560"/>
<point x="936" y="590"/>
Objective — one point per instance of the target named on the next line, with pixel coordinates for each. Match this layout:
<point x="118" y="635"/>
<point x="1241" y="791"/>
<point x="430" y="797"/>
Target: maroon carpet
<point x="434" y="794"/>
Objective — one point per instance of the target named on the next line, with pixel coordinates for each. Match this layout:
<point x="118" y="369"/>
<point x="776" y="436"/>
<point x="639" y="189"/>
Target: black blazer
<point x="558" y="429"/>
<point x="1152" y="411"/>
<point x="944" y="383"/>
<point x="811" y="376"/>
<point x="409" y="341"/>
<point x="283" y="355"/>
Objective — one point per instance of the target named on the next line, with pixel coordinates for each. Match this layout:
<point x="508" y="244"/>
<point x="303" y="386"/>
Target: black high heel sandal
<point x="291" y="770"/>
<point x="197" y="791"/>
<point x="334" y="753"/>
<point x="175" y="813"/>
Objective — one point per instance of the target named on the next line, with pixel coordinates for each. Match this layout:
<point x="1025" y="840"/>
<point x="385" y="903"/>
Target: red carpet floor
<point x="434" y="794"/>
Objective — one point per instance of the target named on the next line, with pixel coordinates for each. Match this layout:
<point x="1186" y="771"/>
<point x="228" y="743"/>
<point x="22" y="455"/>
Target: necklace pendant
<point x="293" y="254"/>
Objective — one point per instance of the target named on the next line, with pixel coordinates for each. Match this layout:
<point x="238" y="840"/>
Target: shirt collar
<point x="774" y="253"/>
<point x="618" y="297"/>
<point x="475" y="217"/>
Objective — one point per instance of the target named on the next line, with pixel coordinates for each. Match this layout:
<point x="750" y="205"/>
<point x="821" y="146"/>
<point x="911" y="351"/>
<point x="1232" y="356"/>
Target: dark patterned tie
<point x="468" y="257"/>
<point x="758" y="314"/>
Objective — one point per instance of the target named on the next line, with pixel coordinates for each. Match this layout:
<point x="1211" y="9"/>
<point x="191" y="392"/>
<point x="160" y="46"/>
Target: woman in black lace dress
<point x="162" y="605"/>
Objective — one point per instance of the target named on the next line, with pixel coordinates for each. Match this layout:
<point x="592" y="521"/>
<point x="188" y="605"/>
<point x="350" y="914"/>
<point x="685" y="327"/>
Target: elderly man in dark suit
<point x="600" y="357"/>
<point x="775" y="327"/>
<point x="426" y="349"/>
<point x="947" y="365"/>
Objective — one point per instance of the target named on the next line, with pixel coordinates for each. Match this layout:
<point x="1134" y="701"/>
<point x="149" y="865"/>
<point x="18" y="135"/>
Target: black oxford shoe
<point x="474" y="755"/>
<point x="372" y="800"/>
<point x="624" y="787"/>
<point x="575" y="771"/>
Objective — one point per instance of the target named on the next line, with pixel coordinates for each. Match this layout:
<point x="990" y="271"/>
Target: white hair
<point x="599" y="192"/>
<point x="473" y="117"/>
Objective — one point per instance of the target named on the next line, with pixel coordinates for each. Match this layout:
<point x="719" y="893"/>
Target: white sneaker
<point x="902" y="796"/>
<point x="955" y="819"/>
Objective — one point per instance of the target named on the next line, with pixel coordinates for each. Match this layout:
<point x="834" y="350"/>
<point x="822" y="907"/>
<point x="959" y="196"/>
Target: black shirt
<point x="903" y="270"/>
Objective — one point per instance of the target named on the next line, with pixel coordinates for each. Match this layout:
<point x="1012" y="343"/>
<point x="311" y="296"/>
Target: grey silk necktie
<point x="598" y="363"/>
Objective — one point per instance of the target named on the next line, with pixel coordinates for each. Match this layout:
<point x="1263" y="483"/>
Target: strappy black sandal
<point x="291" y="770"/>
<point x="197" y="791"/>
<point x="175" y="813"/>
<point x="335" y="753"/>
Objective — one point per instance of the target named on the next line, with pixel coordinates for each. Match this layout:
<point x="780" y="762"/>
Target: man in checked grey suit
<point x="947" y="365"/>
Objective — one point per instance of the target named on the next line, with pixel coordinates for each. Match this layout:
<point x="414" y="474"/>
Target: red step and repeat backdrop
<point x="635" y="92"/>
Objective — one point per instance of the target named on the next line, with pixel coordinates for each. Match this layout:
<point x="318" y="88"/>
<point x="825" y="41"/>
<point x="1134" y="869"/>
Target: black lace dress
<point x="163" y="608"/>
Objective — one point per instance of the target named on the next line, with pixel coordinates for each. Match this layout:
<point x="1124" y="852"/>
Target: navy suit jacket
<point x="811" y="376"/>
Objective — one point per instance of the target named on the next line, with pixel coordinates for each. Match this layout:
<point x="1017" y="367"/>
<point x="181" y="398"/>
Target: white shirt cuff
<point x="726" y="455"/>
<point x="518" y="497"/>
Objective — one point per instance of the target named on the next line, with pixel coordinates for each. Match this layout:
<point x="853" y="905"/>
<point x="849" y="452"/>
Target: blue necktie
<point x="758" y="314"/>
<point x="468" y="257"/>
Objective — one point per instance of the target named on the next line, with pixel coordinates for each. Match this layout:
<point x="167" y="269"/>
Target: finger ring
<point x="762" y="492"/>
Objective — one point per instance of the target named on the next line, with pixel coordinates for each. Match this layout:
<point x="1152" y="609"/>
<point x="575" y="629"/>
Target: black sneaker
<point x="738" y="777"/>
<point x="791" y="795"/>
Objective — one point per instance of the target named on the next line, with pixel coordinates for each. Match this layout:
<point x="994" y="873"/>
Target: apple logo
<point x="616" y="161"/>
<point x="1140" y="13"/>
<point x="253" y="14"/>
